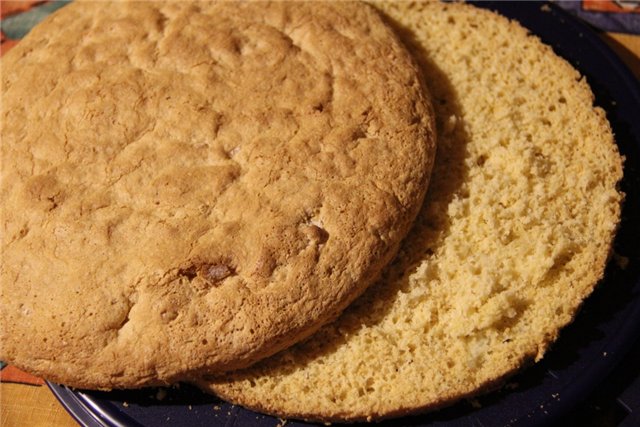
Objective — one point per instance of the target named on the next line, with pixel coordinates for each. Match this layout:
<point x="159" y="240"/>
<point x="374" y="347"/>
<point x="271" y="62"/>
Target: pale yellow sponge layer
<point x="515" y="233"/>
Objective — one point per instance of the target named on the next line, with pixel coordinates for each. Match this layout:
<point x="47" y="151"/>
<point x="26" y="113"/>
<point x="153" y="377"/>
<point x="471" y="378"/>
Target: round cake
<point x="514" y="234"/>
<point x="193" y="186"/>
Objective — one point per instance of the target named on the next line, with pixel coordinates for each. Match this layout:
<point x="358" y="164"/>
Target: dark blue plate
<point x="588" y="350"/>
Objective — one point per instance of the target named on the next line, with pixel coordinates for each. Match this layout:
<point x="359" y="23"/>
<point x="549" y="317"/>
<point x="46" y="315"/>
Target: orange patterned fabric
<point x="11" y="374"/>
<point x="8" y="8"/>
<point x="7" y="43"/>
<point x="18" y="17"/>
<point x="620" y="6"/>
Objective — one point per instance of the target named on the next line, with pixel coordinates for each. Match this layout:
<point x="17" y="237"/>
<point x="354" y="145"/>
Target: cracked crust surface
<point x="514" y="234"/>
<point x="194" y="186"/>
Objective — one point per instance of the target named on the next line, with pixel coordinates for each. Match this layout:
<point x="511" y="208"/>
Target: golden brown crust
<point x="194" y="186"/>
<point x="514" y="234"/>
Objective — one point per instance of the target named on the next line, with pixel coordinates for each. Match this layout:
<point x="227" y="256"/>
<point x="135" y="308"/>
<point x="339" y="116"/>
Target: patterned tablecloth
<point x="23" y="399"/>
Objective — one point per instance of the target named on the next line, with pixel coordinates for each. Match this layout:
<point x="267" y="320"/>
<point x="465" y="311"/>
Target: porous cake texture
<point x="514" y="234"/>
<point x="193" y="186"/>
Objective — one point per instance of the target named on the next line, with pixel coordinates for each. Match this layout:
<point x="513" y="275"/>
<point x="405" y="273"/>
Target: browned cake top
<point x="194" y="186"/>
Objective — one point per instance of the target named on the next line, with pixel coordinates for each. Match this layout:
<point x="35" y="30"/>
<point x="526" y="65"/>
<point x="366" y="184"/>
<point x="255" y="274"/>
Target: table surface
<point x="35" y="406"/>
